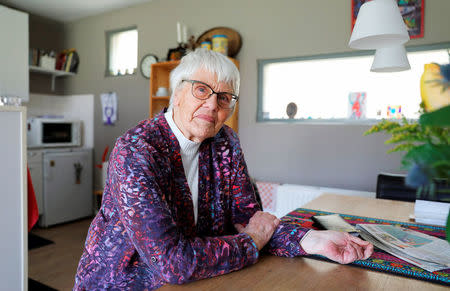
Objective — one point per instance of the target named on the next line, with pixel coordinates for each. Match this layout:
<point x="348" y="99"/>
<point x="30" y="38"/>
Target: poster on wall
<point x="356" y="105"/>
<point x="109" y="107"/>
<point x="411" y="10"/>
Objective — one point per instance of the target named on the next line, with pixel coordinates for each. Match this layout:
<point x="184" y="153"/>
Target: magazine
<point x="427" y="252"/>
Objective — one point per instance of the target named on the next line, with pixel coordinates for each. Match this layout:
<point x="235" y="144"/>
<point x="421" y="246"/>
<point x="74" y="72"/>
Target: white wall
<point x="79" y="107"/>
<point x="323" y="155"/>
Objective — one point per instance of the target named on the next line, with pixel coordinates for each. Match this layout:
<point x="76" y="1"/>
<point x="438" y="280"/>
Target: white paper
<point x="431" y="212"/>
<point x="109" y="108"/>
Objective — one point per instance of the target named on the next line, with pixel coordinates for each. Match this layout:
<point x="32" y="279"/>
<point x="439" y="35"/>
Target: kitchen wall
<point x="333" y="155"/>
<point x="77" y="107"/>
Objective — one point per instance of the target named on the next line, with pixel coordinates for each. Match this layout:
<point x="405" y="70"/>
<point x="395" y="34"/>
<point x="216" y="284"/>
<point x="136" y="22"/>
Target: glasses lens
<point x="201" y="91"/>
<point x="225" y="100"/>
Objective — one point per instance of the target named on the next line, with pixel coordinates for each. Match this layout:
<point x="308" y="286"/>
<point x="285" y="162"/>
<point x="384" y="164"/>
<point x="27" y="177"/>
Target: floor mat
<point x="34" y="285"/>
<point x="35" y="241"/>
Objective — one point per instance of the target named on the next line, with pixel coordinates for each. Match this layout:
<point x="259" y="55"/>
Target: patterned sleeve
<point x="152" y="230"/>
<point x="286" y="238"/>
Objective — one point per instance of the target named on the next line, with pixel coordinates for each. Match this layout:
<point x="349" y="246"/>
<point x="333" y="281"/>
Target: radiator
<point x="287" y="197"/>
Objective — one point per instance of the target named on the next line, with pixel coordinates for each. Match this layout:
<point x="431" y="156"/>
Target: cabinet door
<point x="67" y="186"/>
<point x="14" y="76"/>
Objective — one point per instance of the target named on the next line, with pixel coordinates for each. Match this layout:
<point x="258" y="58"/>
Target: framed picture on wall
<point x="411" y="10"/>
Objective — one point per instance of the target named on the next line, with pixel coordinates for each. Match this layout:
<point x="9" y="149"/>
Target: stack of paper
<point x="431" y="212"/>
<point x="427" y="252"/>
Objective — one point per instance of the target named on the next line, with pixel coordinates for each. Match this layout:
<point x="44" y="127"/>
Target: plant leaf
<point x="437" y="117"/>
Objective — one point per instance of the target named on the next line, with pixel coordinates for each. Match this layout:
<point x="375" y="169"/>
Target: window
<point x="121" y="52"/>
<point x="320" y="86"/>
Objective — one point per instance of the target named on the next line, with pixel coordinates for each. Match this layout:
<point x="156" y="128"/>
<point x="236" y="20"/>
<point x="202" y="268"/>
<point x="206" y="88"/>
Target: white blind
<point x="123" y="52"/>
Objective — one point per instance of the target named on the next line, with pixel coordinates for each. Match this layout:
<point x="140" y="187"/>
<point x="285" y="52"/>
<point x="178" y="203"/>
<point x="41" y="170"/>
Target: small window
<point x="322" y="87"/>
<point x="121" y="52"/>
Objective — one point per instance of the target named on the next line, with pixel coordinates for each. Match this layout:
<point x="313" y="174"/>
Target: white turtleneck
<point x="189" y="157"/>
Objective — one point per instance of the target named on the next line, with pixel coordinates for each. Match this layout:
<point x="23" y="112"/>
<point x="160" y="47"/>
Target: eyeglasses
<point x="203" y="91"/>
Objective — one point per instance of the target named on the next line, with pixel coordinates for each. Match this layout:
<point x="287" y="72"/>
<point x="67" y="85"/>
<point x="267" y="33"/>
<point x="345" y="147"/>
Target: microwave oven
<point x="53" y="132"/>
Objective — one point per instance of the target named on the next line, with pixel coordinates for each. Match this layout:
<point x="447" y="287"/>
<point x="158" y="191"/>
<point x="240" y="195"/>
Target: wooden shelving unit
<point x="160" y="77"/>
<point x="53" y="73"/>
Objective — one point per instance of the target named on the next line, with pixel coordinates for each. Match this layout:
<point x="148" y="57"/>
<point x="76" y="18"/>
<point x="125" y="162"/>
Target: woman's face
<point x="200" y="119"/>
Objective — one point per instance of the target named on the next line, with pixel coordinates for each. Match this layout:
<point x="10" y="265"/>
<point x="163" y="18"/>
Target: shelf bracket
<point x="53" y="83"/>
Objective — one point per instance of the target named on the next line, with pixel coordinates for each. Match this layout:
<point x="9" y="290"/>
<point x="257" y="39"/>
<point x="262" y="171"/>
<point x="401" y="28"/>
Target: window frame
<point x="108" y="35"/>
<point x="369" y="121"/>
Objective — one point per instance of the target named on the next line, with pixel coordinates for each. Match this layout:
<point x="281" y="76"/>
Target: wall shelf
<point x="53" y="73"/>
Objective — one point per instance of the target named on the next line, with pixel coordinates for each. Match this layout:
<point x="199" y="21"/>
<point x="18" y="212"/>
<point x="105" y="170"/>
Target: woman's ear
<point x="176" y="97"/>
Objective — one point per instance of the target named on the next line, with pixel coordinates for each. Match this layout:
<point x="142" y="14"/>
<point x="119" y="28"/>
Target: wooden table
<point x="277" y="273"/>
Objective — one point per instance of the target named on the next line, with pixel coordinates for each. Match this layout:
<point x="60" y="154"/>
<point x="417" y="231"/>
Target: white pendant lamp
<point x="390" y="59"/>
<point x="379" y="24"/>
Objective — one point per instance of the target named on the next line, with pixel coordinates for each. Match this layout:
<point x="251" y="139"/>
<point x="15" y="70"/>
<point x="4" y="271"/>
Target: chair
<point x="257" y="195"/>
<point x="392" y="186"/>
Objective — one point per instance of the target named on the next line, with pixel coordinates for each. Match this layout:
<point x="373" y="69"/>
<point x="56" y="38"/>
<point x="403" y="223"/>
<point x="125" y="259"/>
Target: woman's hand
<point x="260" y="228"/>
<point x="337" y="246"/>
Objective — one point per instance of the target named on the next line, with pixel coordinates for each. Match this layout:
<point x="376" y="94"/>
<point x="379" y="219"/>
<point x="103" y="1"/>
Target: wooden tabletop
<point x="277" y="273"/>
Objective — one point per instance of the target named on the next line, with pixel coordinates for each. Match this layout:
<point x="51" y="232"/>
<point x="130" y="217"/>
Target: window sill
<point x="120" y="75"/>
<point x="340" y="121"/>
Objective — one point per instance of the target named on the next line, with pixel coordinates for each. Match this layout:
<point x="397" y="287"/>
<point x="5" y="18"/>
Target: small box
<point x="47" y="62"/>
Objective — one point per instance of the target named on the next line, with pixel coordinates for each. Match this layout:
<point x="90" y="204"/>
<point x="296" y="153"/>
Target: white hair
<point x="211" y="61"/>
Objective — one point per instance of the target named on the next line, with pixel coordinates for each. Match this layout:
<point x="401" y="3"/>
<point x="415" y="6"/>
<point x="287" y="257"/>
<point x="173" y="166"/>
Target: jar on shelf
<point x="220" y="44"/>
<point x="206" y="45"/>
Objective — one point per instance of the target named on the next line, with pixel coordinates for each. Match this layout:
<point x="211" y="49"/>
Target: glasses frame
<point x="234" y="97"/>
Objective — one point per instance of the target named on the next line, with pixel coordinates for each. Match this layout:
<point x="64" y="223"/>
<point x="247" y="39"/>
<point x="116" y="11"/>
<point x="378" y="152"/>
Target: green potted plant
<point x="426" y="142"/>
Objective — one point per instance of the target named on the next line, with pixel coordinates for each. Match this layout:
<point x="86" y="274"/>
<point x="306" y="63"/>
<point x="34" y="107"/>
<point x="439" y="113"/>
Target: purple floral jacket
<point x="144" y="235"/>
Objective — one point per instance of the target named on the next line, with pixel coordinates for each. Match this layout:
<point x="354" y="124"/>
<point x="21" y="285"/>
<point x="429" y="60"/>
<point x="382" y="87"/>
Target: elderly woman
<point x="178" y="204"/>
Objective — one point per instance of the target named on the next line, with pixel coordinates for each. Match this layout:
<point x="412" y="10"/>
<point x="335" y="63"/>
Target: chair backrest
<point x="392" y="186"/>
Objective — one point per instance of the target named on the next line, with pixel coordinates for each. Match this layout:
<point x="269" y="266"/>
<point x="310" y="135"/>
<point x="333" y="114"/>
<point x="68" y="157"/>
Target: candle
<point x="185" y="34"/>
<point x="178" y="32"/>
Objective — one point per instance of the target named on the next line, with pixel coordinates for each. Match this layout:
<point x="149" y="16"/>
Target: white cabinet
<point x="13" y="190"/>
<point x="14" y="76"/>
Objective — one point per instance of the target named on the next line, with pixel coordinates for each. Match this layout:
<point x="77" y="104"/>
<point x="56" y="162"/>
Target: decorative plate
<point x="234" y="38"/>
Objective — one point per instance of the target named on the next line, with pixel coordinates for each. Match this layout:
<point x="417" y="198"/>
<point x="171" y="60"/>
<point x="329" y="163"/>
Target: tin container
<point x="220" y="44"/>
<point x="206" y="45"/>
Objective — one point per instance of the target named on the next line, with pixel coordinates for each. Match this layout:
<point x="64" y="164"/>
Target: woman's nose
<point x="211" y="102"/>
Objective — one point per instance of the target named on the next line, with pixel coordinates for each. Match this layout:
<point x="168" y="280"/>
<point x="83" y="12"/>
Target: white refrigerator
<point x="67" y="185"/>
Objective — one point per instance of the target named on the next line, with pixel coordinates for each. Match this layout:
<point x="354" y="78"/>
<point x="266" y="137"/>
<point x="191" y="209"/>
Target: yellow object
<point x="206" y="45"/>
<point x="432" y="89"/>
<point x="220" y="44"/>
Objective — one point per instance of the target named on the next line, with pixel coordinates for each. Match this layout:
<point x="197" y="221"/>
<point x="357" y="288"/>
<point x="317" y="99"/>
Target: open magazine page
<point x="425" y="251"/>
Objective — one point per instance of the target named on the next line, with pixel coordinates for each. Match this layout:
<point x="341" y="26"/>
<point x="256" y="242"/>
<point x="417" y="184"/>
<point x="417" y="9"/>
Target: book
<point x="335" y="222"/>
<point x="68" y="63"/>
<point x="61" y="60"/>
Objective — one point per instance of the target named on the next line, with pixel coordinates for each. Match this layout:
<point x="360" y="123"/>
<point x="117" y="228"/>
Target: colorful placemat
<point x="380" y="260"/>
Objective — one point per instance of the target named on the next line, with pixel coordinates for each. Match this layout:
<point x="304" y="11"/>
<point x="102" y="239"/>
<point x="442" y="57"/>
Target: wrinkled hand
<point x="260" y="228"/>
<point x="337" y="246"/>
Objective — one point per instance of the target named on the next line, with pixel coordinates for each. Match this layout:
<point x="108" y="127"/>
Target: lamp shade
<point x="379" y="24"/>
<point x="390" y="59"/>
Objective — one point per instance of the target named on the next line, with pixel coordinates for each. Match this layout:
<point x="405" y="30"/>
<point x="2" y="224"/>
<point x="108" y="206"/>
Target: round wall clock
<point x="146" y="64"/>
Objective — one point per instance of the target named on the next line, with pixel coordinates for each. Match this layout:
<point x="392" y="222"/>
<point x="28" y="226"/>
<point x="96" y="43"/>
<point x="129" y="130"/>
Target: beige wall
<point x="48" y="35"/>
<point x="324" y="155"/>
